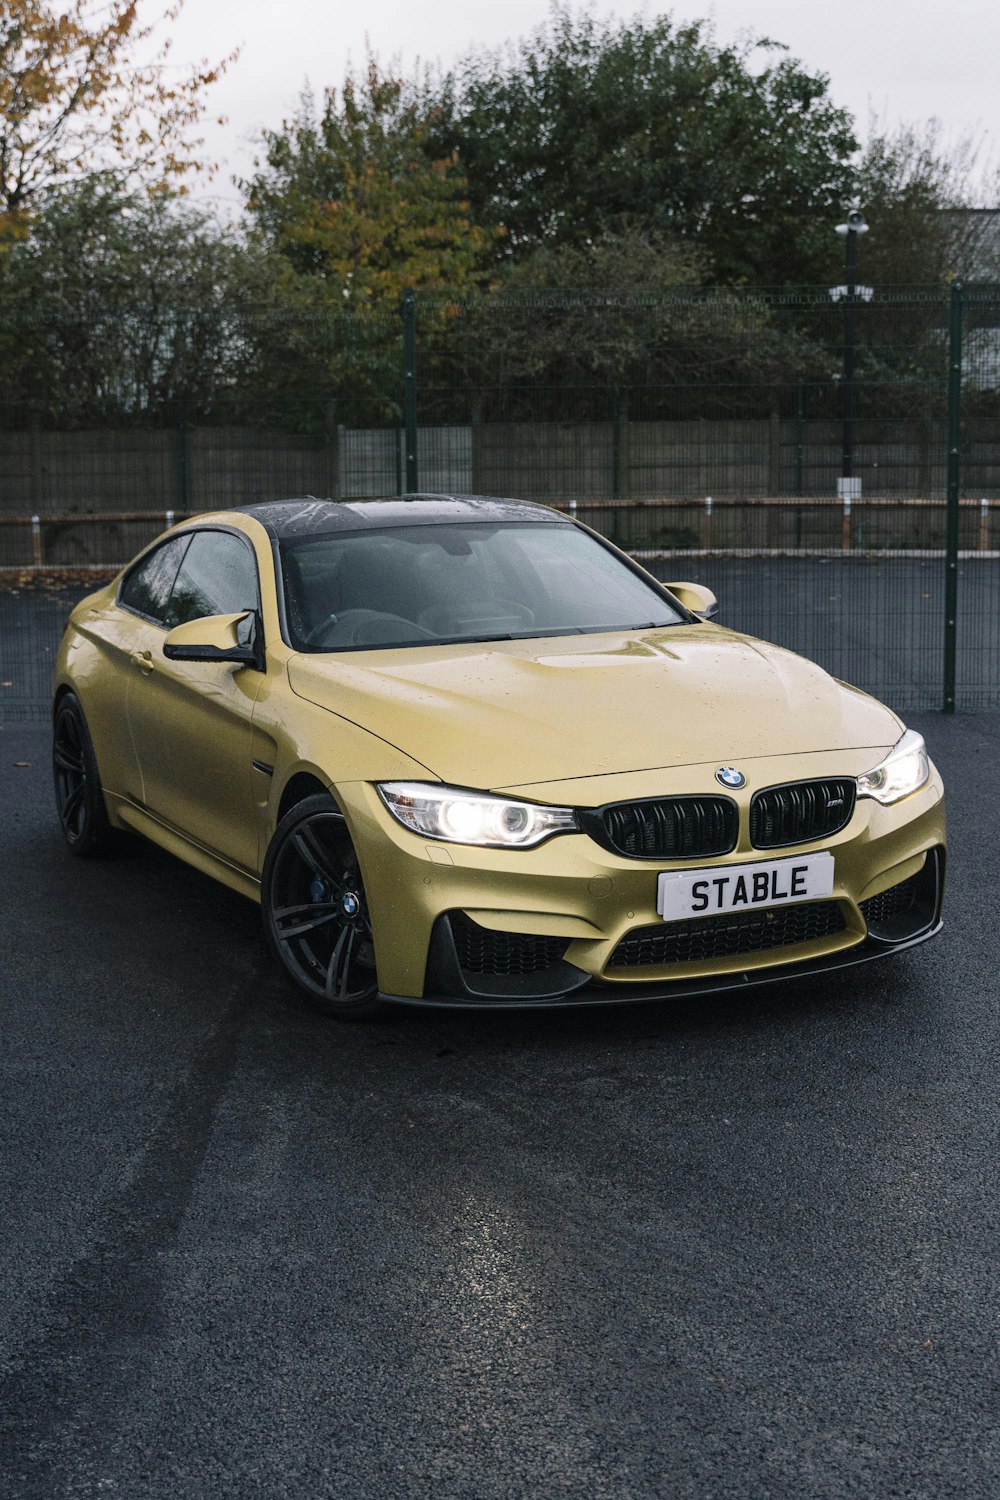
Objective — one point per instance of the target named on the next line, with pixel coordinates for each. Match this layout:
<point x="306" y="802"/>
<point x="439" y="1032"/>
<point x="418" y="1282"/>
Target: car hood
<point x="502" y="714"/>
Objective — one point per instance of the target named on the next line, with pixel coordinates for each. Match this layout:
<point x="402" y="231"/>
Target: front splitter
<point x="867" y="951"/>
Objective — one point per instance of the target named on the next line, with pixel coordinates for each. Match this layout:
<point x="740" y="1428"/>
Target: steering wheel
<point x="363" y="627"/>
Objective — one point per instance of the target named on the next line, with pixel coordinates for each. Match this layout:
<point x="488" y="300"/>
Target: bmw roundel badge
<point x="729" y="776"/>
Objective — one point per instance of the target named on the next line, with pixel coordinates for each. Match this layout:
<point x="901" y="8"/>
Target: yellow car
<point x="465" y="752"/>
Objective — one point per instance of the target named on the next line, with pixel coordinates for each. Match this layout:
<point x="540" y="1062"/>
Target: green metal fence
<point x="643" y="396"/>
<point x="713" y="434"/>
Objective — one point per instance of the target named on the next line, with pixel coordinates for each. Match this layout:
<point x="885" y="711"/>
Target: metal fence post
<point x="954" y="486"/>
<point x="774" y="465"/>
<point x="37" y="467"/>
<point x="410" y="387"/>
<point x="183" y="475"/>
<point x="800" y="438"/>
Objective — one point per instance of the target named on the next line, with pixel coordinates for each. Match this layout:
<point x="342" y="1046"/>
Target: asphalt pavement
<point x="741" y="1248"/>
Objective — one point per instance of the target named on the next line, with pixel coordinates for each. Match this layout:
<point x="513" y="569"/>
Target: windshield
<point x="416" y="585"/>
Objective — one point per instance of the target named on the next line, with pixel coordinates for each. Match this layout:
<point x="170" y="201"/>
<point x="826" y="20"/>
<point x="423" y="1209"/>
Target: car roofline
<point x="285" y="520"/>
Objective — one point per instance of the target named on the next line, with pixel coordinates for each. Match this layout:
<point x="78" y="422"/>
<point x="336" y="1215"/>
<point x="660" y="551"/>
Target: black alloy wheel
<point x="316" y="914"/>
<point x="79" y="799"/>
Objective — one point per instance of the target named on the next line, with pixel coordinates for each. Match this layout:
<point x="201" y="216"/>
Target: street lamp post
<point x="855" y="225"/>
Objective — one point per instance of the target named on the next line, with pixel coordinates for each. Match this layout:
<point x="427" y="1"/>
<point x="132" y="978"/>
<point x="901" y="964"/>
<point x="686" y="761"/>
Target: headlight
<point x="904" y="769"/>
<point x="447" y="812"/>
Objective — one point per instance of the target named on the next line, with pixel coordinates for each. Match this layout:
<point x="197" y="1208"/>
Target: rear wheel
<point x="79" y="799"/>
<point x="315" y="912"/>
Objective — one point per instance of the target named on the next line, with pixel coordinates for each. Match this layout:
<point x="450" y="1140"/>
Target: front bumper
<point x="568" y="909"/>
<point x="450" y="987"/>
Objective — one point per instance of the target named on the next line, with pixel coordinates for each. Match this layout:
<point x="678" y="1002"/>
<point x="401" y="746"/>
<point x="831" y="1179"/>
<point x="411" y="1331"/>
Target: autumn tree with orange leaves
<point x="355" y="203"/>
<point x="86" y="89"/>
<point x="352" y="208"/>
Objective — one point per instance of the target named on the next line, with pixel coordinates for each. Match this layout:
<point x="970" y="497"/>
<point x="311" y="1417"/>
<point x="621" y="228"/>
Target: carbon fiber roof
<point x="287" y="519"/>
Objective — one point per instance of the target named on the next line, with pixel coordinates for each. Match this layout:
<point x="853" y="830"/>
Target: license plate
<point x="721" y="888"/>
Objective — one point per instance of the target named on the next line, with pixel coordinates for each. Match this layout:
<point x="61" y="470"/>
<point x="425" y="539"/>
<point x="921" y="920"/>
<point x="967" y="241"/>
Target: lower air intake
<point x="727" y="936"/>
<point x="907" y="908"/>
<point x="480" y="950"/>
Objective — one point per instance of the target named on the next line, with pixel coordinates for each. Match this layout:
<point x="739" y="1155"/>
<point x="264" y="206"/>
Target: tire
<point x="83" y="816"/>
<point x="315" y="912"/>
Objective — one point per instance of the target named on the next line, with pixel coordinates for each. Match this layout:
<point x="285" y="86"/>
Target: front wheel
<point x="315" y="912"/>
<point x="79" y="798"/>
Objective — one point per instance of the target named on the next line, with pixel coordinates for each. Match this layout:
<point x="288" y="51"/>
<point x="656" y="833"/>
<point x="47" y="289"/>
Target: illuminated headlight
<point x="904" y="769"/>
<point x="447" y="812"/>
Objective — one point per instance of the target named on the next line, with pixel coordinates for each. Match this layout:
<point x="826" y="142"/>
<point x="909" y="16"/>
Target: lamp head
<point x="856" y="222"/>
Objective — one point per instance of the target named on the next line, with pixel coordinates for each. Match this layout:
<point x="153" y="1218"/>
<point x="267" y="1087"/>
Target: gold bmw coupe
<point x="465" y="752"/>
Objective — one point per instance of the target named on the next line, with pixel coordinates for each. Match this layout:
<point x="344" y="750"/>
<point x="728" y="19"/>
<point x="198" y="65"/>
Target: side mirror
<point x="234" y="638"/>
<point x="695" y="597"/>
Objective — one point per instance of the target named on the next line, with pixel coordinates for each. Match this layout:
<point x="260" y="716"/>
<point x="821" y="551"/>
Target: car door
<point x="122" y="630"/>
<point x="191" y="721"/>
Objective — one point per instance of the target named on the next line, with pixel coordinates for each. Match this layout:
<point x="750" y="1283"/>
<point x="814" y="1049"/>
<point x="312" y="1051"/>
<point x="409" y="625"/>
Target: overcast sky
<point x="904" y="59"/>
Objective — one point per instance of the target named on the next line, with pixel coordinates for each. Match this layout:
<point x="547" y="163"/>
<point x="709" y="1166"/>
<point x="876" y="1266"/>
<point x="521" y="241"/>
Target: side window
<point x="218" y="577"/>
<point x="147" y="587"/>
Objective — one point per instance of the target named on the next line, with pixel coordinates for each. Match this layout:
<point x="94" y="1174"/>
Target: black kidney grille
<point x="728" y="935"/>
<point x="481" y="951"/>
<point x="672" y="827"/>
<point x="800" y="812"/>
<point x="894" y="902"/>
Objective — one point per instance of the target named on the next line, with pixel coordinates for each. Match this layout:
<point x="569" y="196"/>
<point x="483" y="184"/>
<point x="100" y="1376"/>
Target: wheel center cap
<point x="350" y="904"/>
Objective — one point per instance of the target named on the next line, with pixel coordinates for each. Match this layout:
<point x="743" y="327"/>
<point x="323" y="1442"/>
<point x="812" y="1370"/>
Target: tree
<point x="355" y="207"/>
<point x="121" y="305"/>
<point x="570" y="314"/>
<point x="621" y="324"/>
<point x="588" y="121"/>
<point x="918" y="192"/>
<point x="74" y="99"/>
<point x="358" y="204"/>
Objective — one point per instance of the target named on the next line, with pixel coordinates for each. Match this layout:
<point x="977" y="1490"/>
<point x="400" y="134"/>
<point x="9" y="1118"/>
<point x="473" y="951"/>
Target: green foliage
<point x="352" y="206"/>
<point x="918" y="194"/>
<point x="635" y="317"/>
<point x="356" y="203"/>
<point x="559" y="209"/>
<point x="117" y="303"/>
<point x="589" y="122"/>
